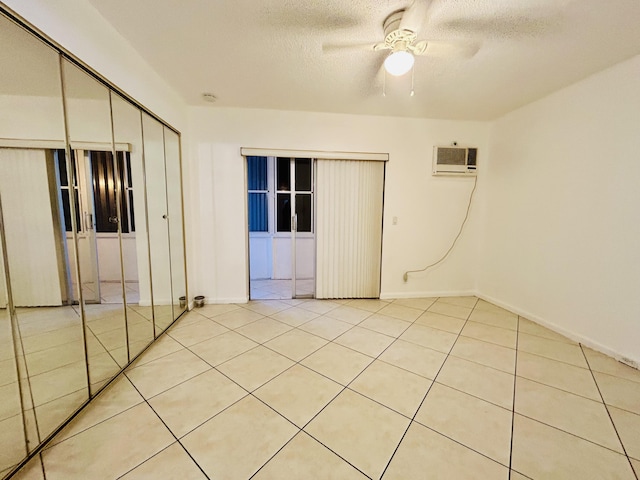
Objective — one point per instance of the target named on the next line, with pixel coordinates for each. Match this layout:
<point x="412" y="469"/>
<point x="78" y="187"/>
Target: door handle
<point x="294" y="223"/>
<point x="88" y="220"/>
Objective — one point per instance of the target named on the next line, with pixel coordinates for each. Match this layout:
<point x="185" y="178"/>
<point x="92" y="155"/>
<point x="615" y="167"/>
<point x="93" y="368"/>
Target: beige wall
<point x="561" y="230"/>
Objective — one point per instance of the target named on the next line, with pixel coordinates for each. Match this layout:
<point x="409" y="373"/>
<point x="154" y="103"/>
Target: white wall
<point x="78" y="27"/>
<point x="109" y="258"/>
<point x="30" y="117"/>
<point x="561" y="230"/>
<point x="429" y="209"/>
<point x="261" y="253"/>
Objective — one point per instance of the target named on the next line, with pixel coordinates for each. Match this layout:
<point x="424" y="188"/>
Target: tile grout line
<point x="395" y="338"/>
<point x="319" y="315"/>
<point x="561" y="390"/>
<point x="170" y="432"/>
<point x="513" y="404"/>
<point x="301" y="431"/>
<point x="425" y="396"/>
<point x="344" y="387"/>
<point x="106" y="350"/>
<point x="609" y="413"/>
<point x="377" y="358"/>
<point x="251" y="393"/>
<point x="571" y="433"/>
<point x="411" y="419"/>
<point x="295" y="362"/>
<point x="44" y="473"/>
<point x="28" y="380"/>
<point x="553" y="359"/>
<point x="51" y="445"/>
<point x="145" y="461"/>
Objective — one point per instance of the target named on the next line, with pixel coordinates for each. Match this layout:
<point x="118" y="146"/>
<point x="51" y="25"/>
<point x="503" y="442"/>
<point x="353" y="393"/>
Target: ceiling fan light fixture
<point x="399" y="62"/>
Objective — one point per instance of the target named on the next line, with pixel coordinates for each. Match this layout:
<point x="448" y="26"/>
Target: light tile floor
<point x="53" y="372"/>
<point x="279" y="289"/>
<point x="452" y="388"/>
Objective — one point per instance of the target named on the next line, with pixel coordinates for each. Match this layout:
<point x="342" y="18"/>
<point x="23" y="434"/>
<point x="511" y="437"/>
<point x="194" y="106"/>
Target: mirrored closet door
<point x="40" y="299"/>
<point x="13" y="442"/>
<point x="158" y="222"/>
<point x="88" y="113"/>
<point x="92" y="260"/>
<point x="173" y="170"/>
<point x="127" y="129"/>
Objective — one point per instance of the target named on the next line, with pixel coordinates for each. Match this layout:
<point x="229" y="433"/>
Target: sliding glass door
<point x="281" y="227"/>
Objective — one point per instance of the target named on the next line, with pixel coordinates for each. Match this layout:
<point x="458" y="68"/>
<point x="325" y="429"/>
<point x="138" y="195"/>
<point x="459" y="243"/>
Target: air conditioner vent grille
<point x="452" y="156"/>
<point x="454" y="160"/>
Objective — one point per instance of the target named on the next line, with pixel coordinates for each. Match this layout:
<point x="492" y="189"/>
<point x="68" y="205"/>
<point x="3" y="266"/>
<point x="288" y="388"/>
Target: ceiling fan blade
<point x="415" y="16"/>
<point x="352" y="47"/>
<point x="446" y="49"/>
<point x="513" y="26"/>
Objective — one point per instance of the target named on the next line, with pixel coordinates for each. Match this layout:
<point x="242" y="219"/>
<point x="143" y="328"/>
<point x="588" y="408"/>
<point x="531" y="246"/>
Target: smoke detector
<point x="209" y="97"/>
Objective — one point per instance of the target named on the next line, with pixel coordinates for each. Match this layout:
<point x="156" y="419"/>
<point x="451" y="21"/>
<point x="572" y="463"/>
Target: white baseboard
<point x="576" y="337"/>
<point x="447" y="293"/>
<point x="209" y="301"/>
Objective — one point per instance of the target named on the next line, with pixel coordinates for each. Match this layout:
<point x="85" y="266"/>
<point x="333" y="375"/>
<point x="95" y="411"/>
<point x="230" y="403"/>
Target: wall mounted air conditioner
<point x="454" y="160"/>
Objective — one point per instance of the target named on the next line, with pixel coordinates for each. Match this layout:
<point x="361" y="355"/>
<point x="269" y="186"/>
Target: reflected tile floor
<point x="53" y="369"/>
<point x="453" y="388"/>
<point x="111" y="292"/>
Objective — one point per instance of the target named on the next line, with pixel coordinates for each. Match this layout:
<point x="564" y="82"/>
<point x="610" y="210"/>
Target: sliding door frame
<point x="316" y="156"/>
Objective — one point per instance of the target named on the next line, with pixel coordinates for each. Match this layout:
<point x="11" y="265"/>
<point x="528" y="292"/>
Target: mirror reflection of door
<point x="108" y="180"/>
<point x="97" y="181"/>
<point x="281" y="233"/>
<point x="47" y="329"/>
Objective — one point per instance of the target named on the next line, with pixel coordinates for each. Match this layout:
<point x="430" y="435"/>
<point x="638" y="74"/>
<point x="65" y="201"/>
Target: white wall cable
<point x="405" y="277"/>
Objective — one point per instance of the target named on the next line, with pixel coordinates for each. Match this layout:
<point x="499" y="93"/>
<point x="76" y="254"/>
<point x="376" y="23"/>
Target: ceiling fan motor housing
<point x="395" y="38"/>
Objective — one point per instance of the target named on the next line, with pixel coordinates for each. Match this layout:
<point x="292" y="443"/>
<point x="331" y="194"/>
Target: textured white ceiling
<point x="268" y="53"/>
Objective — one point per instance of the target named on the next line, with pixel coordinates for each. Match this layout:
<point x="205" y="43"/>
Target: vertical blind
<point x="29" y="229"/>
<point x="258" y="190"/>
<point x="349" y="228"/>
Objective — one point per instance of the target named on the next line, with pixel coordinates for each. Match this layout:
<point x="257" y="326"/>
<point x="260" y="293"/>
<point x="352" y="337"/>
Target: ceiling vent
<point x="454" y="160"/>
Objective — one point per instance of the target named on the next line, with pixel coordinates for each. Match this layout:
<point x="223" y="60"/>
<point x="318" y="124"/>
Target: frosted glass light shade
<point x="399" y="63"/>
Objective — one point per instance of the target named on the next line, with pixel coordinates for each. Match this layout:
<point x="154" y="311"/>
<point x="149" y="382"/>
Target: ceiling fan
<point x="401" y="38"/>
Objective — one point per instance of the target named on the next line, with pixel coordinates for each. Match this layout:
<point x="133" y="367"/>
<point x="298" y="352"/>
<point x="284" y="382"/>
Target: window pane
<point x="73" y="167"/>
<point x="257" y="173"/>
<point x="283" y="212"/>
<point x="303" y="174"/>
<point x="66" y="209"/>
<point x="104" y="198"/>
<point x="124" y="218"/>
<point x="283" y="174"/>
<point x="258" y="212"/>
<point x="132" y="211"/>
<point x="62" y="167"/>
<point x="303" y="210"/>
<point x="129" y="184"/>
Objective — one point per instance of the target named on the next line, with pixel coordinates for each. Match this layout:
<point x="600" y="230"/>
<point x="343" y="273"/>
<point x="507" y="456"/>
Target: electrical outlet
<point x="394" y="220"/>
